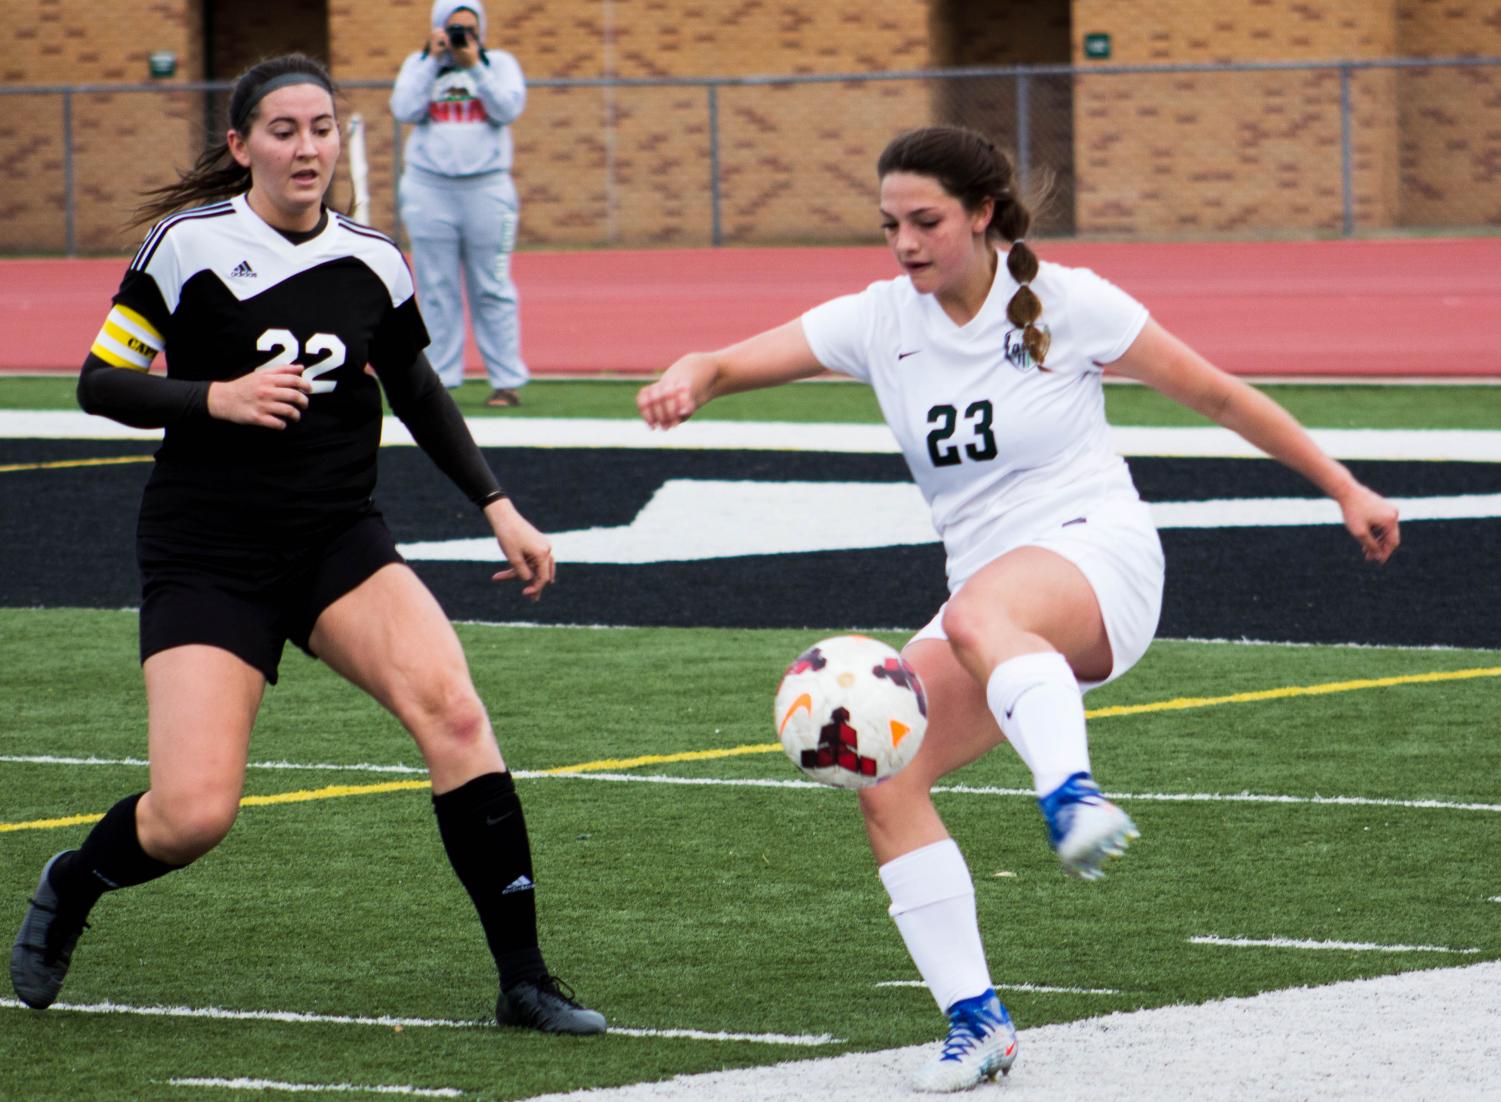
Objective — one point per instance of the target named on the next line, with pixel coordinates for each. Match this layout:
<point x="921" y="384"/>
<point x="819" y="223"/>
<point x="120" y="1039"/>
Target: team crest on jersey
<point x="1016" y="349"/>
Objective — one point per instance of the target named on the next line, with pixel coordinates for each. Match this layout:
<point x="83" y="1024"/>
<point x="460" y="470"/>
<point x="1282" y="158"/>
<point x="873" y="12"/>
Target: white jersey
<point x="1000" y="449"/>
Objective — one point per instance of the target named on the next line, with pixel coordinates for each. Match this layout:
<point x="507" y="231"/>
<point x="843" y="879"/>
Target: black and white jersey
<point x="222" y="293"/>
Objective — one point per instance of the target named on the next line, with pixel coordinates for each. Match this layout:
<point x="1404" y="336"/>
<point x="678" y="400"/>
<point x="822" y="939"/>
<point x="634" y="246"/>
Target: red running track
<point x="1394" y="308"/>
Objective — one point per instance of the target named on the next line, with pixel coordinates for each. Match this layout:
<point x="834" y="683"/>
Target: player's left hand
<point x="1372" y="520"/>
<point x="527" y="550"/>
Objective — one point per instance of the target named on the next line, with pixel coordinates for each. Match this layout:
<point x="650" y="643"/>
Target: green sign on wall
<point x="1097" y="46"/>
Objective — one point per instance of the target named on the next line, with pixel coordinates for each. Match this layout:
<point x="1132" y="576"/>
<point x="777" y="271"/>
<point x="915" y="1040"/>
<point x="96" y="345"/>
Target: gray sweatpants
<point x="466" y="224"/>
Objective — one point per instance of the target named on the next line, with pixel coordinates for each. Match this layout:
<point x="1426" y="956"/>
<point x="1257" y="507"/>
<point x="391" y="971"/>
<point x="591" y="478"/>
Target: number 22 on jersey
<point x="285" y="344"/>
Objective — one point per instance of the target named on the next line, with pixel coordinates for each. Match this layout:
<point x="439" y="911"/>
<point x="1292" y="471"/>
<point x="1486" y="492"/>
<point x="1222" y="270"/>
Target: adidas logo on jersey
<point x="243" y="270"/>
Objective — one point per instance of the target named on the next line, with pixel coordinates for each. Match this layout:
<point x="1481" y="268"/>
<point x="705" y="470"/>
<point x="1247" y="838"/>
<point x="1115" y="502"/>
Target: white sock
<point x="1036" y="700"/>
<point x="933" y="903"/>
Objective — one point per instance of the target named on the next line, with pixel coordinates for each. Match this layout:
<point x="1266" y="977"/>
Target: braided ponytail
<point x="970" y="168"/>
<point x="1025" y="307"/>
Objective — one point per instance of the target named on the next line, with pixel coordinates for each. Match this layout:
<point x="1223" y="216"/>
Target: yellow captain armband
<point x="127" y="340"/>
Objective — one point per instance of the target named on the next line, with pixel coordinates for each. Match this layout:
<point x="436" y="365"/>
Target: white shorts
<point x="1116" y="547"/>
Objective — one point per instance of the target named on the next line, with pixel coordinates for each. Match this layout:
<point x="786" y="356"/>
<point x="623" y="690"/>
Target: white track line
<point x="1347" y="946"/>
<point x="316" y="1088"/>
<point x="297" y="1017"/>
<point x="769" y="782"/>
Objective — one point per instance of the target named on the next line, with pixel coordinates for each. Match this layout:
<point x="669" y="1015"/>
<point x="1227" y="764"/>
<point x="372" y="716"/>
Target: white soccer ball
<point x="850" y="712"/>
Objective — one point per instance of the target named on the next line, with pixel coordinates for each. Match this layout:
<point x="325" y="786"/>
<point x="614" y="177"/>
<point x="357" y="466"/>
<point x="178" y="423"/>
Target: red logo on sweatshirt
<point x="457" y="105"/>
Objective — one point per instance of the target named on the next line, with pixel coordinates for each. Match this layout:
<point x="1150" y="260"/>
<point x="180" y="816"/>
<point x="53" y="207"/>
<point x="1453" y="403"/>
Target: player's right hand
<point x="1372" y="520"/>
<point x="271" y="398"/>
<point x="666" y="402"/>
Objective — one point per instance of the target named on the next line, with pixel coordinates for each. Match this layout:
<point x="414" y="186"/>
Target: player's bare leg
<point x="390" y="637"/>
<point x="202" y="703"/>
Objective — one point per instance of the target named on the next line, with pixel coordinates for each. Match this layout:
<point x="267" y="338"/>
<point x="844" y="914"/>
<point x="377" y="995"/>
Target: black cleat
<point x="546" y="1004"/>
<point x="44" y="946"/>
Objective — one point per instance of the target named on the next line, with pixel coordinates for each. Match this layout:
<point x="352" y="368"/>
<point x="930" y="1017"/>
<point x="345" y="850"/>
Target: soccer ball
<point x="850" y="712"/>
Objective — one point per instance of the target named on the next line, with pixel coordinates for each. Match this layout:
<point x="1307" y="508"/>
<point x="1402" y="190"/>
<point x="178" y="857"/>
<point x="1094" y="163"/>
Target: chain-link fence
<point x="1295" y="149"/>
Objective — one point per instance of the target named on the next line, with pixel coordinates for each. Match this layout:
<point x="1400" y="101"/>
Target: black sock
<point x="485" y="836"/>
<point x="111" y="857"/>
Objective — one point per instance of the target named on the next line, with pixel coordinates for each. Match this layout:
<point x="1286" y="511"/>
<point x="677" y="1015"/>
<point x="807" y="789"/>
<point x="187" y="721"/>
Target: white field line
<point x="315" y="1088"/>
<point x="291" y="1017"/>
<point x="697" y="519"/>
<point x="896" y="629"/>
<point x="1346" y="946"/>
<point x="309" y="767"/>
<point x="1040" y="988"/>
<point x="767" y="782"/>
<point x="797" y="1040"/>
<point x="1295" y="1043"/>
<point x="297" y="1017"/>
<point x="972" y="790"/>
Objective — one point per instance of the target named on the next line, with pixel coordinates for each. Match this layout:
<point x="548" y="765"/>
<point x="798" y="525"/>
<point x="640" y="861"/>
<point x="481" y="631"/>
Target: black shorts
<point x="251" y="601"/>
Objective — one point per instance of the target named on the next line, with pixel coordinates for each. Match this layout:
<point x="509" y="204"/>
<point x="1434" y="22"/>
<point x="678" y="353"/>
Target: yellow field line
<point x="660" y="759"/>
<point x="1181" y="703"/>
<point x="302" y="795"/>
<point x="51" y="824"/>
<point x="333" y="792"/>
<point x="59" y="464"/>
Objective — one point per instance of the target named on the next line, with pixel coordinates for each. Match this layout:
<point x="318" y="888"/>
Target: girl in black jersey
<point x="257" y="525"/>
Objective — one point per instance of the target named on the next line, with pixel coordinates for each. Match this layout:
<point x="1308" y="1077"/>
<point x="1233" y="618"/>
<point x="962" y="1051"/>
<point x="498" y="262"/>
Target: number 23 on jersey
<point x="944" y="420"/>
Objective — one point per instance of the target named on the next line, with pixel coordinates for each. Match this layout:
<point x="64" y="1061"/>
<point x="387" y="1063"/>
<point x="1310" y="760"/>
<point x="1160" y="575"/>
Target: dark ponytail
<point x="970" y="168"/>
<point x="216" y="174"/>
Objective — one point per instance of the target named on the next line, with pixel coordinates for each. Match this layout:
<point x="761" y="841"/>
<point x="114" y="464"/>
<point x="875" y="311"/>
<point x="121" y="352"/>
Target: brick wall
<point x="1168" y="155"/>
<point x="121" y="142"/>
<point x="1450" y="146"/>
<point x="631" y="165"/>
<point x="1211" y="153"/>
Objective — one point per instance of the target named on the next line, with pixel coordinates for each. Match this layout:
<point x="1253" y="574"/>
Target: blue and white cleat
<point x="981" y="1045"/>
<point x="1085" y="828"/>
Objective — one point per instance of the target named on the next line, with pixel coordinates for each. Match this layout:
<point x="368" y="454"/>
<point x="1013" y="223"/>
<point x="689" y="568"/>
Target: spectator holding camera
<point x="457" y="199"/>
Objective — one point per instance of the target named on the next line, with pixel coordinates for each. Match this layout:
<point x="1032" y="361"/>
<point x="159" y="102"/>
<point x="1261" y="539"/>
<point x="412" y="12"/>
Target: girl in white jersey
<point x="989" y="374"/>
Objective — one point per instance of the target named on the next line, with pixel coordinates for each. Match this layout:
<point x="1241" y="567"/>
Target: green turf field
<point x="1313" y="794"/>
<point x="1324" y="406"/>
<point x="715" y="907"/>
